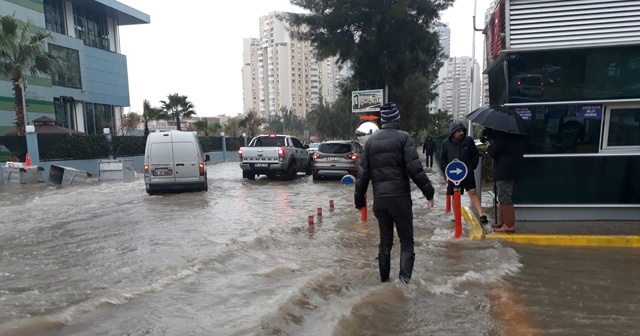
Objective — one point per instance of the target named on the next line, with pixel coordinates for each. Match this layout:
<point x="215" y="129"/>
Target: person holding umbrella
<point x="504" y="136"/>
<point x="507" y="151"/>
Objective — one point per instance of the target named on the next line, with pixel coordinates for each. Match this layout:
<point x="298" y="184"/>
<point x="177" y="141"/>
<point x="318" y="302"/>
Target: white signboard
<point x="367" y="100"/>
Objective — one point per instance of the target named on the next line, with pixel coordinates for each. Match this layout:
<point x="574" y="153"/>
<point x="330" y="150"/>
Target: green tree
<point x="22" y="51"/>
<point x="206" y="127"/>
<point x="233" y="128"/>
<point x="334" y="121"/>
<point x="253" y="123"/>
<point x="387" y="44"/>
<point x="178" y="107"/>
<point x="150" y="113"/>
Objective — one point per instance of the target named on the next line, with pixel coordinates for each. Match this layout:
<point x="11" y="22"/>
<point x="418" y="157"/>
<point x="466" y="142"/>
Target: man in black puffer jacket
<point x="389" y="159"/>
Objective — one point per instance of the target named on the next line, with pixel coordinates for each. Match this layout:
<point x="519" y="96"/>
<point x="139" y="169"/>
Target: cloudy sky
<point x="195" y="49"/>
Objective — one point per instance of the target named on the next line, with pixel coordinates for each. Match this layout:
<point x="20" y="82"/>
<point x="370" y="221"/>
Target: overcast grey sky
<point x="194" y="48"/>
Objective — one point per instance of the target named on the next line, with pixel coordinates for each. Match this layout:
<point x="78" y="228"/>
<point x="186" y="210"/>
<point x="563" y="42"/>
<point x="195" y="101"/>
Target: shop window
<point x="575" y="74"/>
<point x="91" y="27"/>
<point x="622" y="128"/>
<point x="54" y="16"/>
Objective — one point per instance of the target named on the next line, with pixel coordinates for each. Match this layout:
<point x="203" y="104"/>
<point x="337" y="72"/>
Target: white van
<point x="174" y="161"/>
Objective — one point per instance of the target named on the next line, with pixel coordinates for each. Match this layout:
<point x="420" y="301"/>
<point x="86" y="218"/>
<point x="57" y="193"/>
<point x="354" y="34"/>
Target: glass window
<point x="334" y="148"/>
<point x="89" y="119"/>
<point x="562" y="129"/>
<point x="91" y="27"/>
<point x="573" y="74"/>
<point x="69" y="75"/>
<point x="54" y="16"/>
<point x="104" y="118"/>
<point x="623" y="128"/>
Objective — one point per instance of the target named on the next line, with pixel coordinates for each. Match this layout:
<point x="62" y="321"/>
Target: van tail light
<point x="146" y="168"/>
<point x="240" y="154"/>
<point x="353" y="156"/>
<point x="201" y="167"/>
<point x="316" y="156"/>
<point x="280" y="154"/>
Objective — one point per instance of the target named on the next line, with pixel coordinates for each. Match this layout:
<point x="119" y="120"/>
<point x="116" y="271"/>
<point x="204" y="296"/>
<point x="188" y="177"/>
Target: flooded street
<point x="241" y="259"/>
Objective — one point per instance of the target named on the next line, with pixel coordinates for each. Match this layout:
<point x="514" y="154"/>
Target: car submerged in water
<point x="336" y="158"/>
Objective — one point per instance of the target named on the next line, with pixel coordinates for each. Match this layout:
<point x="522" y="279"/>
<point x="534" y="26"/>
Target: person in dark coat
<point x="389" y="160"/>
<point x="462" y="147"/>
<point x="428" y="148"/>
<point x="507" y="151"/>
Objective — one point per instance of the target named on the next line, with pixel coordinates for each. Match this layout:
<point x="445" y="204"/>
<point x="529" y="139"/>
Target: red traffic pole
<point x="448" y="206"/>
<point x="311" y="220"/>
<point x="457" y="213"/>
<point x="330" y="204"/>
<point x="319" y="212"/>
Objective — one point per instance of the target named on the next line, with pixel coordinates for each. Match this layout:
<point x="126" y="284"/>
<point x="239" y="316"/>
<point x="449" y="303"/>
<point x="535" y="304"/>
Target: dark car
<point x="336" y="158"/>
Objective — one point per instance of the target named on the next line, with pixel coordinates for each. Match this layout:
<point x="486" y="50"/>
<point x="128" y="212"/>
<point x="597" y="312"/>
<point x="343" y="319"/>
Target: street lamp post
<point x="473" y="65"/>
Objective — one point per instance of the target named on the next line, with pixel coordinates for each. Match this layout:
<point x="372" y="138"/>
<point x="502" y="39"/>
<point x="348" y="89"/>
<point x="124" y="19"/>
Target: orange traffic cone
<point x="27" y="161"/>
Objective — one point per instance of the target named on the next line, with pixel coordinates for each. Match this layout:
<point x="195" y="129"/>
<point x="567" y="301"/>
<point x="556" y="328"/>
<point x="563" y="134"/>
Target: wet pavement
<point x="241" y="259"/>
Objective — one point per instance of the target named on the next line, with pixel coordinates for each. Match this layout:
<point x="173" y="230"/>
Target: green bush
<point x="16" y="144"/>
<point x="74" y="147"/>
<point x="211" y="144"/>
<point x="128" y="146"/>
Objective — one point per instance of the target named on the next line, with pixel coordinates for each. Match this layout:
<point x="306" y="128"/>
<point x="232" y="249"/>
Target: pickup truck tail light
<point x="240" y="154"/>
<point x="201" y="167"/>
<point x="280" y="154"/>
<point x="353" y="156"/>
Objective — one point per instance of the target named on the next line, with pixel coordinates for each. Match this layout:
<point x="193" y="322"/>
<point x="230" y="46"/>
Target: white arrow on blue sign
<point x="456" y="171"/>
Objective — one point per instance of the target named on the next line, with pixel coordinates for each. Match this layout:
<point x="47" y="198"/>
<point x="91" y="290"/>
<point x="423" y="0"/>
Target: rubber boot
<point x="499" y="223"/>
<point x="509" y="219"/>
<point x="384" y="263"/>
<point x="406" y="266"/>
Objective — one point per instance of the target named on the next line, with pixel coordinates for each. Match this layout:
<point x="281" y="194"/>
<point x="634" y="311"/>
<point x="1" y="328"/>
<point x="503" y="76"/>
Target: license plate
<point x="334" y="159"/>
<point x="261" y="165"/>
<point x="162" y="172"/>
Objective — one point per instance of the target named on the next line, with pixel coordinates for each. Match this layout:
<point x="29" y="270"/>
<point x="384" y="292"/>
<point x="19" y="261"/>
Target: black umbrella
<point x="498" y="118"/>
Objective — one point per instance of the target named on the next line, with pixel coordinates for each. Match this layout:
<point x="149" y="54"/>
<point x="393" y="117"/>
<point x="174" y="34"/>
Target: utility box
<point x="116" y="170"/>
<point x="23" y="175"/>
<point x="61" y="175"/>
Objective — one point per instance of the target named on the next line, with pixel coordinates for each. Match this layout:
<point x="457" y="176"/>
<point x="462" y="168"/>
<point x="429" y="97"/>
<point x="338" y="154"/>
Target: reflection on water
<point x="241" y="259"/>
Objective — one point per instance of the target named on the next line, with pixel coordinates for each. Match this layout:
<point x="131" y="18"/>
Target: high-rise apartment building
<point x="444" y="33"/>
<point x="92" y="88"/>
<point x="455" y="87"/>
<point x="279" y="71"/>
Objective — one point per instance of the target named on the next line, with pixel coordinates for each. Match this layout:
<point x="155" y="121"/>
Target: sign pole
<point x="456" y="171"/>
<point x="457" y="213"/>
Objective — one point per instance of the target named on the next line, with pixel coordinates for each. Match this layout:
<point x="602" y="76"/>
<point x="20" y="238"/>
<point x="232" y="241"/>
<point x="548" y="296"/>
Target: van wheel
<point x="248" y="175"/>
<point x="205" y="187"/>
<point x="150" y="191"/>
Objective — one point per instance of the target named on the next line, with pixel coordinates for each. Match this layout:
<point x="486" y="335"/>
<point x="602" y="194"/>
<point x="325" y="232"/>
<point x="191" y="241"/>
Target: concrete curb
<point x="476" y="233"/>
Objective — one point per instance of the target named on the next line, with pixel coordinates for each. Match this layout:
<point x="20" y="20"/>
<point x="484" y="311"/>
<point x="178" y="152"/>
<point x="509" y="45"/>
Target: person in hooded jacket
<point x="462" y="147"/>
<point x="389" y="160"/>
<point x="428" y="148"/>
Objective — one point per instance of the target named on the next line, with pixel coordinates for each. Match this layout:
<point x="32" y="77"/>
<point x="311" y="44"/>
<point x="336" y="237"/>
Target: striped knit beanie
<point x="389" y="112"/>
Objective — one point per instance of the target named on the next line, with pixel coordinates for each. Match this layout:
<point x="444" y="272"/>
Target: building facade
<point x="89" y="93"/>
<point x="279" y="71"/>
<point x="454" y="88"/>
<point x="571" y="70"/>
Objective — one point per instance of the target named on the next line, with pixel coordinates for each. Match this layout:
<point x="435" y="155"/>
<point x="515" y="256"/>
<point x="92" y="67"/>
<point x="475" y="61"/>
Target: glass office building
<point x="93" y="85"/>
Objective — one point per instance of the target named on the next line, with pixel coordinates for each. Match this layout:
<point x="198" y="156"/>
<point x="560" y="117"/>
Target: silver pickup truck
<point x="275" y="155"/>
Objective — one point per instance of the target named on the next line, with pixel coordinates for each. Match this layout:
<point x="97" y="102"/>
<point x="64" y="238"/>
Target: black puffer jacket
<point x="389" y="159"/>
<point x="464" y="150"/>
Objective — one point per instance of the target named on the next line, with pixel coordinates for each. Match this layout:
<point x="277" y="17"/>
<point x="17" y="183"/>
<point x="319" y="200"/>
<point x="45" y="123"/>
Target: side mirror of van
<point x="306" y="146"/>
<point x="207" y="158"/>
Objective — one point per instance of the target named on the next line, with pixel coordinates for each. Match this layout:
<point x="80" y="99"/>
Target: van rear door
<point x="161" y="165"/>
<point x="186" y="162"/>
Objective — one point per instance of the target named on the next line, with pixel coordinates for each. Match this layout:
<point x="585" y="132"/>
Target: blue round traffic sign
<point x="456" y="171"/>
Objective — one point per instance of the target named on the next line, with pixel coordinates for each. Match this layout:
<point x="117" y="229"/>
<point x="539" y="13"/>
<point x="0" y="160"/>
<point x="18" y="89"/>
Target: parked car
<point x="336" y="158"/>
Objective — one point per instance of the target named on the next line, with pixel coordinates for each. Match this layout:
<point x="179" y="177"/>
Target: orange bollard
<point x="448" y="206"/>
<point x="457" y="213"/>
<point x="27" y="162"/>
<point x="310" y="219"/>
<point x="364" y="210"/>
<point x="330" y="204"/>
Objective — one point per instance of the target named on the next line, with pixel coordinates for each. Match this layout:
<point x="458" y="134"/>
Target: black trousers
<point x="429" y="160"/>
<point x="398" y="211"/>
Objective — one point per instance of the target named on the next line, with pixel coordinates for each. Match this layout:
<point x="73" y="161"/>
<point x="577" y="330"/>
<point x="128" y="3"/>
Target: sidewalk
<point x="566" y="233"/>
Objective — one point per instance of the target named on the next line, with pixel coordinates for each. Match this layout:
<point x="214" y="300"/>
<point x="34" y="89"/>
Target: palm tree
<point x="130" y="122"/>
<point x="233" y="127"/>
<point x="253" y="122"/>
<point x="22" y="50"/>
<point x="151" y="113"/>
<point x="206" y="127"/>
<point x="177" y="107"/>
